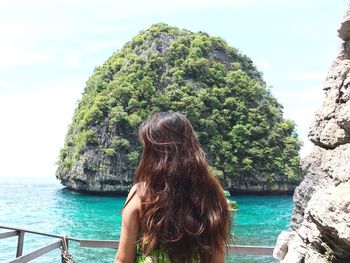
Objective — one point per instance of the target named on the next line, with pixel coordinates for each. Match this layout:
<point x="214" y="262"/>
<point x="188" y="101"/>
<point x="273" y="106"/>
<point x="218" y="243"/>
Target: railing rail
<point x="37" y="253"/>
<point x="230" y="249"/>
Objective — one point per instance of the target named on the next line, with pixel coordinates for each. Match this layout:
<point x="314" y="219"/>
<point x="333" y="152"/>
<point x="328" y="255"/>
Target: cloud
<point x="26" y="44"/>
<point x="262" y="64"/>
<point x="122" y="9"/>
<point x="22" y="3"/>
<point x="306" y="149"/>
<point x="300" y="106"/>
<point x="125" y="8"/>
<point x="304" y="94"/>
<point x="4" y="85"/>
<point x="15" y="46"/>
<point x="100" y="45"/>
<point x="313" y="75"/>
<point x="11" y="33"/>
<point x="17" y="56"/>
<point x="106" y="28"/>
<point x="34" y="124"/>
<point x="73" y="59"/>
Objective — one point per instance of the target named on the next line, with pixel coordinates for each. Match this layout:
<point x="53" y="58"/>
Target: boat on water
<point x="232" y="204"/>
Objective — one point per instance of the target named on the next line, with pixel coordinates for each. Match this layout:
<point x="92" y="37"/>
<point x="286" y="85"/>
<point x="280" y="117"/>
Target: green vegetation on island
<point x="238" y="122"/>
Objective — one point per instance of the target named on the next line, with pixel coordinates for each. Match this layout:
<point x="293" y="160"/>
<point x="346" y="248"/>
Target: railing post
<point x="20" y="244"/>
<point x="62" y="247"/>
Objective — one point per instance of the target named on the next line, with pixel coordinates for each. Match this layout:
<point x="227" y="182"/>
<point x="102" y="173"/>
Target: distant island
<point x="249" y="145"/>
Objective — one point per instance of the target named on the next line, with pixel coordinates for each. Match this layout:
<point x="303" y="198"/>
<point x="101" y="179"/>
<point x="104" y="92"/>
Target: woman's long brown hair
<point x="184" y="211"/>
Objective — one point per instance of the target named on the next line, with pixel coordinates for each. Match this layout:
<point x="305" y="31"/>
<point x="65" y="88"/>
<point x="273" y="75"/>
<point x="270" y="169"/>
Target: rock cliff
<point x="320" y="225"/>
<point x="250" y="146"/>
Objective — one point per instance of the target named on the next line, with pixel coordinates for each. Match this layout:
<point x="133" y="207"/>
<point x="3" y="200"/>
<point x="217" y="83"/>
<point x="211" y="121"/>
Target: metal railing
<point x="20" y="258"/>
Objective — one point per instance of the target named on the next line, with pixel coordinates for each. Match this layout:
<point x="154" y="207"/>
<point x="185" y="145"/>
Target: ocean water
<point x="44" y="205"/>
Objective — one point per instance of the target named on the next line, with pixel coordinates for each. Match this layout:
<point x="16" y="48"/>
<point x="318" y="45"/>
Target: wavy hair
<point x="183" y="208"/>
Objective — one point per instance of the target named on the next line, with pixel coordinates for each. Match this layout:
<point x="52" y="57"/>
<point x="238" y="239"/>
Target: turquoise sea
<point x="44" y="205"/>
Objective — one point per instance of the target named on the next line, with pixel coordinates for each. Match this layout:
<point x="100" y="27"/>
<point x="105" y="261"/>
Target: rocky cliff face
<point x="320" y="225"/>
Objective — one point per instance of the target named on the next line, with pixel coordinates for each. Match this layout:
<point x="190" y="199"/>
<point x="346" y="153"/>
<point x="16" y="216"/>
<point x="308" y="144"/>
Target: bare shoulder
<point x="133" y="189"/>
<point x="133" y="201"/>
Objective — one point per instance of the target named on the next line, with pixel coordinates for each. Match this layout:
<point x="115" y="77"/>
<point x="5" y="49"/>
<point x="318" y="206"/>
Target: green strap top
<point x="157" y="256"/>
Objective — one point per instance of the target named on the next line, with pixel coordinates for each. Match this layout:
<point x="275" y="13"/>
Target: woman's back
<point x="182" y="210"/>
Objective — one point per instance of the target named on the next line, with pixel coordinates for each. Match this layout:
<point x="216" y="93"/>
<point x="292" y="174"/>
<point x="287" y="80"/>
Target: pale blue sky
<point x="48" y="49"/>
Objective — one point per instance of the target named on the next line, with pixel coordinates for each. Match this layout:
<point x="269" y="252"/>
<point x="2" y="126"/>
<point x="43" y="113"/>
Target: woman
<point x="176" y="212"/>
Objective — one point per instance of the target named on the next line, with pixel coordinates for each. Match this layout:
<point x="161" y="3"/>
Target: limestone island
<point x="249" y="145"/>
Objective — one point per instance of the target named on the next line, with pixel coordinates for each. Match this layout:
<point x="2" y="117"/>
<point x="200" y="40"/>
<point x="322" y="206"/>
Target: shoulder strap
<point x="129" y="199"/>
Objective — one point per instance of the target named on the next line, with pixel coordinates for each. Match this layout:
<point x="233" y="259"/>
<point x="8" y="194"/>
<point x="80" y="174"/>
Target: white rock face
<point x="320" y="225"/>
<point x="281" y="245"/>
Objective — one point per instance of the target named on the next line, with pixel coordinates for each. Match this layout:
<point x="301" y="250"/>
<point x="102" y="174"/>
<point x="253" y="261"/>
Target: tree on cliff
<point x="238" y="122"/>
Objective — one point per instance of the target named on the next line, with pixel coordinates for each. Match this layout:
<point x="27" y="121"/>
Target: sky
<point x="49" y="49"/>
